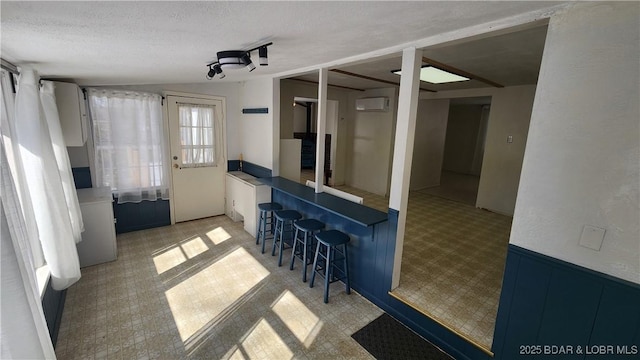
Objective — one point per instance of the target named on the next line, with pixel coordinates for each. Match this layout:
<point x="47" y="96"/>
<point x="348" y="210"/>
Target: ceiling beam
<point x="451" y="69"/>
<point x="315" y="82"/>
<point x="372" y="78"/>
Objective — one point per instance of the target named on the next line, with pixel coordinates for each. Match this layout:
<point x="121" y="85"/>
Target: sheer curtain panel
<point x="44" y="184"/>
<point x="12" y="153"/>
<point x="198" y="135"/>
<point x="23" y="328"/>
<point x="130" y="144"/>
<point x="47" y="96"/>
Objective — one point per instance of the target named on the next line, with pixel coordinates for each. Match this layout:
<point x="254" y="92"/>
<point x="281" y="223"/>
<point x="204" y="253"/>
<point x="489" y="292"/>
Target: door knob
<point x="175" y="166"/>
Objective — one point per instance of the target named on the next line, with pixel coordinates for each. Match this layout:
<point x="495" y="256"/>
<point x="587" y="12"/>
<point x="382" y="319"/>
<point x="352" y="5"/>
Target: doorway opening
<point x="464" y="144"/>
<point x="298" y="144"/>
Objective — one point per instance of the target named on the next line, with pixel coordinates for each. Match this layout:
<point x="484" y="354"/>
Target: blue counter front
<point x="372" y="232"/>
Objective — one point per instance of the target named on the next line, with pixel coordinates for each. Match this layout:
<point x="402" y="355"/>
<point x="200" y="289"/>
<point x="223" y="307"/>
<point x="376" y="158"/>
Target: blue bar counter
<point x="372" y="232"/>
<point x="349" y="210"/>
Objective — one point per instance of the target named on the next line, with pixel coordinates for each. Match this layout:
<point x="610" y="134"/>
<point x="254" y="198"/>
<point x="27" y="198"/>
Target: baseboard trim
<point x="473" y="342"/>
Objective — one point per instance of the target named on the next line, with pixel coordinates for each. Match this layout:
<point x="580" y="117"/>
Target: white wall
<point x="428" y="148"/>
<point x="256" y="130"/>
<point x="300" y="120"/>
<point x="509" y="115"/>
<point x="582" y="161"/>
<point x="502" y="162"/>
<point x="369" y="152"/>
<point x="461" y="139"/>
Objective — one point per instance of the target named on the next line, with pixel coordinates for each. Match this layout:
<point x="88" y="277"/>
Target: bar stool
<point x="302" y="247"/>
<point x="266" y="218"/>
<point x="328" y="243"/>
<point x="284" y="226"/>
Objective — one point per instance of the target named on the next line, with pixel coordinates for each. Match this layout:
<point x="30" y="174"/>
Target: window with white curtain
<point x="197" y="135"/>
<point x="130" y="144"/>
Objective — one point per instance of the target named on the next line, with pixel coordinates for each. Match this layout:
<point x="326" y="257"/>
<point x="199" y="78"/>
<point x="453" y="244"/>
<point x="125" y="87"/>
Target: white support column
<point x="321" y="129"/>
<point x="275" y="118"/>
<point x="403" y="150"/>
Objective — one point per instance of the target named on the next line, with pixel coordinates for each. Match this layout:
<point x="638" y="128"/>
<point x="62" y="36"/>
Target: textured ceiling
<point x="101" y="43"/>
<point x="507" y="59"/>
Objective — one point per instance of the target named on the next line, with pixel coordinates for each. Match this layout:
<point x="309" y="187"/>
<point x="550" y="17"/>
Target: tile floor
<point x="202" y="290"/>
<point x="453" y="263"/>
<point x="458" y="187"/>
<point x="454" y="255"/>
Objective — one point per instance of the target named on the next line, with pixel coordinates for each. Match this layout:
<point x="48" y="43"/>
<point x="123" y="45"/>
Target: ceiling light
<point x="434" y="75"/>
<point x="262" y="52"/>
<point x="211" y="73"/>
<point x="218" y="71"/>
<point x="236" y="59"/>
<point x="246" y="60"/>
<point x="231" y="59"/>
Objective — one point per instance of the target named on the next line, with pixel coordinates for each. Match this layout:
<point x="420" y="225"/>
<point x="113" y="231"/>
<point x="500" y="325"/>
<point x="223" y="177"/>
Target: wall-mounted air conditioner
<point x="373" y="104"/>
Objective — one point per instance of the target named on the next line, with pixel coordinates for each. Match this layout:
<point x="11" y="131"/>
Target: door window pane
<point x="197" y="135"/>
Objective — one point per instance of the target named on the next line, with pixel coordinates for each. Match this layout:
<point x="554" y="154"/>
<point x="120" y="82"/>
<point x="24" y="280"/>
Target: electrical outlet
<point x="592" y="237"/>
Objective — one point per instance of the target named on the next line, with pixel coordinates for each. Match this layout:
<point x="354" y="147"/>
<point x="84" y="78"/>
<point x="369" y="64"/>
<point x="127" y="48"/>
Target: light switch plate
<point x="592" y="237"/>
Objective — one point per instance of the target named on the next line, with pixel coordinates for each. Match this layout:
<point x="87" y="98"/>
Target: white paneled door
<point x="198" y="159"/>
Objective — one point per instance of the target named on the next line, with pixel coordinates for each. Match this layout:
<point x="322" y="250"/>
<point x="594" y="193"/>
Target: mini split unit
<point x="373" y="104"/>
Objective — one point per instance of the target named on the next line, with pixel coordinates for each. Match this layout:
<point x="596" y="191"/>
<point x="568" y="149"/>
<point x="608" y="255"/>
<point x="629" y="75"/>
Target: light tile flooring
<point x="202" y="290"/>
<point x="458" y="187"/>
<point x="453" y="264"/>
<point x="454" y="256"/>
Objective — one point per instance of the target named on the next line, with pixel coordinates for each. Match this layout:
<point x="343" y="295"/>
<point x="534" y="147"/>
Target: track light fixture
<point x="236" y="59"/>
<point x="262" y="52"/>
<point x="213" y="70"/>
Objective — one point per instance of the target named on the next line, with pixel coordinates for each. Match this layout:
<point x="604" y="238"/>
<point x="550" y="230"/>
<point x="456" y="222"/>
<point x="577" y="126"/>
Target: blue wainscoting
<point x="82" y="177"/>
<point x="142" y="215"/>
<point x="52" y="306"/>
<point x="546" y="302"/>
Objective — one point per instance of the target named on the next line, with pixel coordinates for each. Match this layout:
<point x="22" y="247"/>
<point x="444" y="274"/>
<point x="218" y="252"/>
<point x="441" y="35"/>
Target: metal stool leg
<point x="315" y="264"/>
<point x="263" y="225"/>
<point x="281" y="245"/>
<point x="346" y="270"/>
<point x="293" y="251"/>
<point x="327" y="273"/>
<point x="305" y="249"/>
<point x="277" y="236"/>
<point x="260" y="220"/>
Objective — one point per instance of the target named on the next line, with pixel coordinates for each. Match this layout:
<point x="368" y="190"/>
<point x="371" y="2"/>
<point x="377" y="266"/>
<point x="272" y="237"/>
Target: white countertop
<point x="94" y="195"/>
<point x="246" y="177"/>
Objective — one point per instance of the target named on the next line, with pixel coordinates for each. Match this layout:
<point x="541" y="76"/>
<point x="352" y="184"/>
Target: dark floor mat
<point x="386" y="338"/>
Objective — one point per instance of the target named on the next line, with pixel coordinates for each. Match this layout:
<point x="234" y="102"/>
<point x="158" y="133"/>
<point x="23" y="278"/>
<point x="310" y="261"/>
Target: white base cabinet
<point x="243" y="194"/>
<point x="98" y="243"/>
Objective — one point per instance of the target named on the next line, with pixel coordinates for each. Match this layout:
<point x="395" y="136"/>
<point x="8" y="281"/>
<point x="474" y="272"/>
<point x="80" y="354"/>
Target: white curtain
<point x="23" y="329"/>
<point x="198" y="135"/>
<point x="44" y="184"/>
<point x="130" y="144"/>
<point x="12" y="152"/>
<point x="47" y="96"/>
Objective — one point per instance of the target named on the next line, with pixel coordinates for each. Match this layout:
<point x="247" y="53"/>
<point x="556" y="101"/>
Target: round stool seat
<point x="269" y="206"/>
<point x="287" y="215"/>
<point x="332" y="237"/>
<point x="309" y="225"/>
